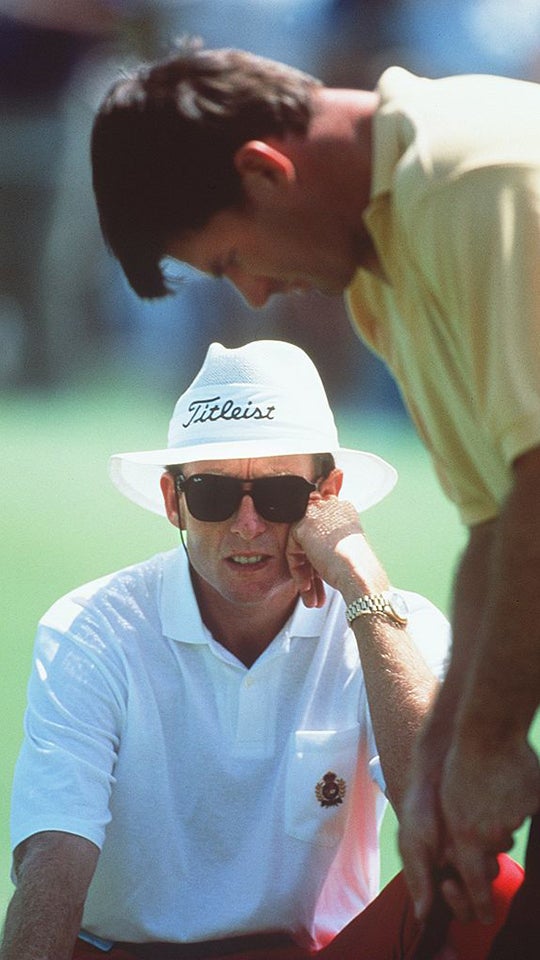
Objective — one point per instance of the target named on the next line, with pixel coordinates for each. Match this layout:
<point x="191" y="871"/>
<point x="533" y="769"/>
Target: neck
<point x="247" y="629"/>
<point x="342" y="130"/>
<point x="335" y="157"/>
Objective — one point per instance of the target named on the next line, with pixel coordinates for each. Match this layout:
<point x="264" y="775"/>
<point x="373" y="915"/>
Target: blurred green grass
<point x="63" y="523"/>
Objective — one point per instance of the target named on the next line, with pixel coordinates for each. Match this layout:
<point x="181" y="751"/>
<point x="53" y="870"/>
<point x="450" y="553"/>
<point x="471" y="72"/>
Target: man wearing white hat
<point x="211" y="733"/>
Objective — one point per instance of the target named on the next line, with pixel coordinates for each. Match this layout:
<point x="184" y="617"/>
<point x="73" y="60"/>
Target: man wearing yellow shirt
<point x="421" y="202"/>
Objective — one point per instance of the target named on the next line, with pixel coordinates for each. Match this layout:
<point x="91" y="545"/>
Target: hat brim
<point x="367" y="478"/>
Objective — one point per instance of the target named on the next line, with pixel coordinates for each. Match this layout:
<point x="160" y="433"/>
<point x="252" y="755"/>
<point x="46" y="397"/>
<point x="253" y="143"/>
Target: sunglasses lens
<point x="212" y="498"/>
<point x="282" y="499"/>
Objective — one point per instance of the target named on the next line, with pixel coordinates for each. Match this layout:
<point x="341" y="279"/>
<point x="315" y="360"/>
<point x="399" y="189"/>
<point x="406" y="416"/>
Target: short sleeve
<point x="72" y="726"/>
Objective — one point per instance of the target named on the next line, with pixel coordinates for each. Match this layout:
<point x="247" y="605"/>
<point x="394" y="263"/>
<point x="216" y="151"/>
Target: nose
<point x="247" y="523"/>
<point x="255" y="290"/>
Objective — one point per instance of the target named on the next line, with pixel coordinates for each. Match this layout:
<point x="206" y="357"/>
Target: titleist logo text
<point x="215" y="408"/>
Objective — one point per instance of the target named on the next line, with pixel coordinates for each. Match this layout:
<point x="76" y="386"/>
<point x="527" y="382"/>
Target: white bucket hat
<point x="264" y="399"/>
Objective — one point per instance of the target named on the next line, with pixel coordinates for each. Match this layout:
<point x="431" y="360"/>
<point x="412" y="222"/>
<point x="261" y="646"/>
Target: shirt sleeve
<point x="478" y="238"/>
<point x="430" y="630"/>
<point x="65" y="770"/>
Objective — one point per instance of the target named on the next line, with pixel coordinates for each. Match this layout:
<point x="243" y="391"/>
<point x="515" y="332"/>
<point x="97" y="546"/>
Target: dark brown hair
<point x="164" y="141"/>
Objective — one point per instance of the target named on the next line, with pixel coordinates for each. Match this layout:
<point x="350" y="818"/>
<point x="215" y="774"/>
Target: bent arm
<point x="53" y="872"/>
<point x="501" y="692"/>
<point x="474" y="749"/>
<point x="400" y="685"/>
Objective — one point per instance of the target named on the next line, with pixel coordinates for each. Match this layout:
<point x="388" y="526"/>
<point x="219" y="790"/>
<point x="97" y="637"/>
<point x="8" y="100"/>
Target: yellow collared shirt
<point x="455" y="309"/>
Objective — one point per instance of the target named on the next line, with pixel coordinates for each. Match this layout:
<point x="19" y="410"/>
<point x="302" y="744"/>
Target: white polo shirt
<point x="202" y="781"/>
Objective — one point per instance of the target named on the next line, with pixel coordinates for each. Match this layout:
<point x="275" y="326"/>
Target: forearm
<point x="502" y="689"/>
<point x="475" y="777"/>
<point x="44" y="916"/>
<point x="400" y="688"/>
<point x="471" y="590"/>
<point x="40" y="928"/>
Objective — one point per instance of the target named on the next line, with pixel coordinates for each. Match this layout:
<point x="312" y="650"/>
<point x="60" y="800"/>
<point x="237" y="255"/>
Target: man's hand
<point x="421" y="831"/>
<point x="490" y="778"/>
<point x="308" y="582"/>
<point x="487" y="792"/>
<point x="328" y="544"/>
<point x="453" y="826"/>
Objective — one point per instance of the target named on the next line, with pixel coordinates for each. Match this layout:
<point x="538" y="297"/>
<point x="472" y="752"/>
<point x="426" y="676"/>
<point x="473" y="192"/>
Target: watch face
<point x="399" y="605"/>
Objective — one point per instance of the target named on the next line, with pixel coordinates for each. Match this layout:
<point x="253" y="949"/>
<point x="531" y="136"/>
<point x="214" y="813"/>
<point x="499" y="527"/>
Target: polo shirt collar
<point x="392" y="129"/>
<point x="179" y="611"/>
<point x="307" y="621"/>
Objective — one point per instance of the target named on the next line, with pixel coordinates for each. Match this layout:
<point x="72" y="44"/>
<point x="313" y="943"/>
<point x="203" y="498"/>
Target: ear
<point x="170" y="499"/>
<point x="332" y="484"/>
<point x="259" y="164"/>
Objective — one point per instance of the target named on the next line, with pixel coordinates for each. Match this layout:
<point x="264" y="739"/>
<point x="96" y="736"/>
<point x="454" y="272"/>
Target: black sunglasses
<point x="214" y="497"/>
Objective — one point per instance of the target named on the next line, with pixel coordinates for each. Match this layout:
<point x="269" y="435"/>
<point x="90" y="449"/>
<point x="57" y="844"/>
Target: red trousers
<point x="385" y="930"/>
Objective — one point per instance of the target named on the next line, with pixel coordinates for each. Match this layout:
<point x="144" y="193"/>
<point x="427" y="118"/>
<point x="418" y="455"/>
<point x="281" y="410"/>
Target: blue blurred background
<point x="86" y="369"/>
<point x="65" y="310"/>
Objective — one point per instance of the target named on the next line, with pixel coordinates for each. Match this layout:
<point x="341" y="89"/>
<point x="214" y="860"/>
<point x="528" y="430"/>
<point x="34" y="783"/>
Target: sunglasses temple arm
<point x="182" y="533"/>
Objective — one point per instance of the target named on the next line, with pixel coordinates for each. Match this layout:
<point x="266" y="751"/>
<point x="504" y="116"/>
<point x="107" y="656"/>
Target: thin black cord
<point x="180" y="531"/>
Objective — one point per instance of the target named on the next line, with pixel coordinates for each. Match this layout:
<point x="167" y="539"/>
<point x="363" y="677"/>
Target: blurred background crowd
<point x="66" y="313"/>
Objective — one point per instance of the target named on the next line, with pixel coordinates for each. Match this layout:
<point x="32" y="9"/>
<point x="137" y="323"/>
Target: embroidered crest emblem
<point x="330" y="790"/>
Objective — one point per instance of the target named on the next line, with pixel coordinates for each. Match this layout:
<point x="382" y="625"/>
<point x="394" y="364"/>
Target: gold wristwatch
<point x="390" y="604"/>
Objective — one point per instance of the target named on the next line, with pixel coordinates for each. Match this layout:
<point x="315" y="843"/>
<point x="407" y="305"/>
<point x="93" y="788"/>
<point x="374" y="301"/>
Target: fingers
<point x="475" y="902"/>
<point x="309" y="584"/>
<point x="457" y="899"/>
<point x="480" y="821"/>
<point x="417" y="856"/>
<point x="300" y="568"/>
<point x="420" y="882"/>
<point x="471" y="895"/>
<point x="314" y="595"/>
<point x="420" y="845"/>
<point x="318" y="590"/>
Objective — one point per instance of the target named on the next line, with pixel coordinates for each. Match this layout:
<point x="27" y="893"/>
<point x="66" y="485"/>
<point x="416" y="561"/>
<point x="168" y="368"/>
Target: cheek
<point x="202" y="544"/>
<point x="282" y="538"/>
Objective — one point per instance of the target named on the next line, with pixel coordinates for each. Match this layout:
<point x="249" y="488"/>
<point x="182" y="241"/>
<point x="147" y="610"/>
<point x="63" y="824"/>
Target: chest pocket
<point x="320" y="781"/>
